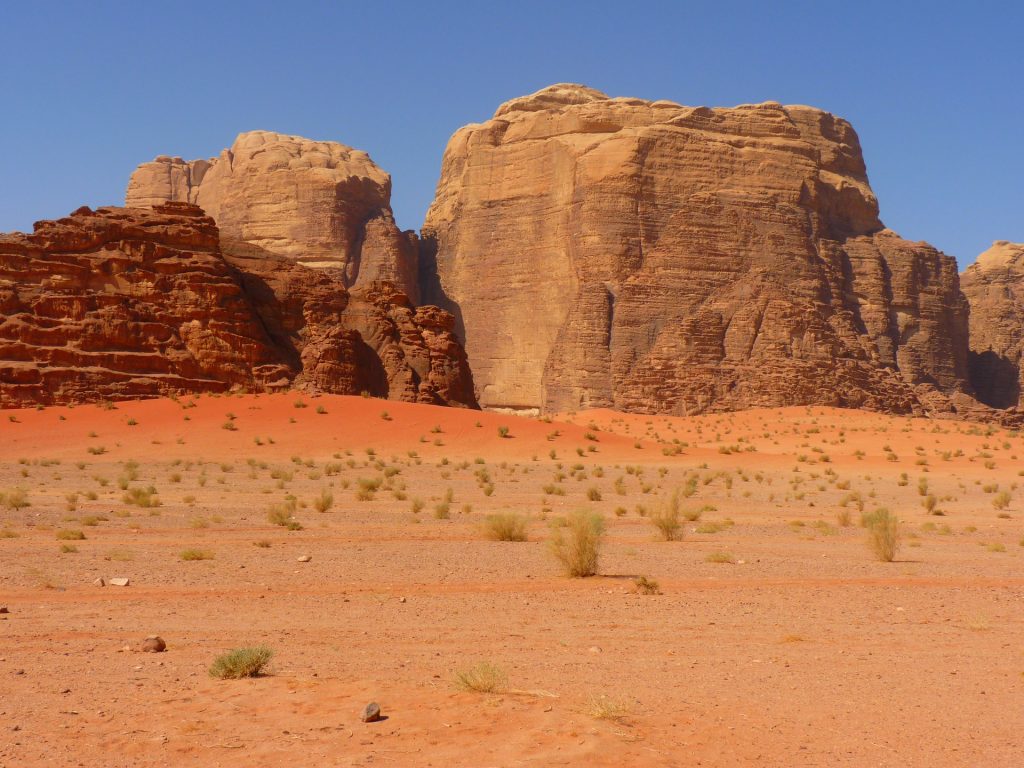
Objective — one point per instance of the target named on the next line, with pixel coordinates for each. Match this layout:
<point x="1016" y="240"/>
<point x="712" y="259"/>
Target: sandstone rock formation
<point x="994" y="286"/>
<point x="319" y="203"/>
<point x="653" y="257"/>
<point x="118" y="303"/>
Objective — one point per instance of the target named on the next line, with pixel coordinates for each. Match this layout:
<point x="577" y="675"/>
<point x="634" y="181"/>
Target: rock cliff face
<point x="319" y="203"/>
<point x="119" y="303"/>
<point x="653" y="257"/>
<point x="994" y="285"/>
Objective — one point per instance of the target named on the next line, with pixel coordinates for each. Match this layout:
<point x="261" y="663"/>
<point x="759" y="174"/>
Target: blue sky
<point x="92" y="89"/>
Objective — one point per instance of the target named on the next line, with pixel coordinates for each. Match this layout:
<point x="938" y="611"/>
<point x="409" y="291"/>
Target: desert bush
<point x="241" y="662"/>
<point x="484" y="677"/>
<point x="196" y="554"/>
<point x="68" y="534"/>
<point x="1001" y="500"/>
<point x="667" y="519"/>
<point x="605" y="708"/>
<point x="281" y="514"/>
<point x="577" y="544"/>
<point x="720" y="557"/>
<point x="593" y="494"/>
<point x="15" y="499"/>
<point x="324" y="501"/>
<point x="141" y="497"/>
<point x="505" y="526"/>
<point x="883" y="534"/>
<point x="644" y="586"/>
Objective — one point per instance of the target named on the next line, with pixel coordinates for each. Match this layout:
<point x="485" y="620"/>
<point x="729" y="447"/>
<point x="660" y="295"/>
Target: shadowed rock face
<point x="659" y="258"/>
<point x="994" y="285"/>
<point x="119" y="303"/>
<point x="319" y="203"/>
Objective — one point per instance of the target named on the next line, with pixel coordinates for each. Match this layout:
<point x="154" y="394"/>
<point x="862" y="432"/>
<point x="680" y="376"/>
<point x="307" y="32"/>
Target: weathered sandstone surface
<point x="994" y="286"/>
<point x="653" y="257"/>
<point x="119" y="303"/>
<point x="319" y="203"/>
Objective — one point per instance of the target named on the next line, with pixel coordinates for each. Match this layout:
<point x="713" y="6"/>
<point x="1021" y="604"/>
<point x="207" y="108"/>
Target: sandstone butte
<point x="319" y="203"/>
<point x="994" y="286"/>
<point x="659" y="258"/>
<point x="121" y="303"/>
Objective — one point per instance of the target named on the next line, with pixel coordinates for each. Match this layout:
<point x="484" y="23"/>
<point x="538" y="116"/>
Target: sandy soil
<point x="803" y="651"/>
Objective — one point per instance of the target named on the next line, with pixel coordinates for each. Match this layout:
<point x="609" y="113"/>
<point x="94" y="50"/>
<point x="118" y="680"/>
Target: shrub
<point x="14" y="499"/>
<point x="68" y="534"/>
<point x="720" y="557"/>
<point x="883" y="534"/>
<point x="1001" y="500"/>
<point x="502" y="431"/>
<point x="577" y="544"/>
<point x="324" y="501"/>
<point x="241" y="662"/>
<point x="196" y="554"/>
<point x="505" y="526"/>
<point x="141" y="497"/>
<point x="666" y="519"/>
<point x="484" y="677"/>
<point x="281" y="514"/>
<point x="644" y="586"/>
<point x="593" y="494"/>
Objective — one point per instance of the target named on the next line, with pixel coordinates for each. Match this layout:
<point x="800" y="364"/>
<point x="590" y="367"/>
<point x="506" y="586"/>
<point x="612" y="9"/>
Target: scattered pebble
<point x="154" y="644"/>
<point x="304" y="558"/>
<point x="371" y="712"/>
<point x="99" y="582"/>
<point x="120" y="581"/>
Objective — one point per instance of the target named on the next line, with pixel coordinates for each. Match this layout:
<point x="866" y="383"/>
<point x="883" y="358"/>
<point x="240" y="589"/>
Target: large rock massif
<point x="653" y="257"/>
<point x="994" y="285"/>
<point x="319" y="203"/>
<point x="122" y="302"/>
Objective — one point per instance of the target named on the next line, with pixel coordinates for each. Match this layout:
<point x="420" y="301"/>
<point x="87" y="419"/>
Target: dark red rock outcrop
<point x="653" y="257"/>
<point x="119" y="303"/>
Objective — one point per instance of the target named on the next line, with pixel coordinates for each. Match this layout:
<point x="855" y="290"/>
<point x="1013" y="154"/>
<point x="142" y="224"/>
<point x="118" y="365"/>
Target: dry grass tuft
<point x="484" y="677"/>
<point x="505" y="526"/>
<point x="577" y="544"/>
<point x="241" y="662"/>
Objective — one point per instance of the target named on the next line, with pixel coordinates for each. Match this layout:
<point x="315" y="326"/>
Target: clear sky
<point x="91" y="89"/>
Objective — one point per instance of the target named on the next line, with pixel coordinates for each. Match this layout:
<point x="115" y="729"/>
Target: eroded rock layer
<point x="316" y="202"/>
<point x="994" y="286"/>
<point x="119" y="302"/>
<point x="653" y="257"/>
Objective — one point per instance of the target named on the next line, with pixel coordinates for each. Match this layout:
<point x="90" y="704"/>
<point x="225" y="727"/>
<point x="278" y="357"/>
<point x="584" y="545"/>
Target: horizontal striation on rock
<point x="121" y="303"/>
<point x="660" y="258"/>
<point x="320" y="203"/>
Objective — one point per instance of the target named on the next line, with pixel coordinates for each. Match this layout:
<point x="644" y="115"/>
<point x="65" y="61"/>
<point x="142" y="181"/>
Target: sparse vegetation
<point x="666" y="519"/>
<point x="241" y="662"/>
<point x="196" y="554"/>
<point x="577" y="544"/>
<point x="483" y="677"/>
<point x="883" y="534"/>
<point x="505" y="526"/>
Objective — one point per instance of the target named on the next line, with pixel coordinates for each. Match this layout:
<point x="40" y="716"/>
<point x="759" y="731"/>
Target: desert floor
<point x="778" y="638"/>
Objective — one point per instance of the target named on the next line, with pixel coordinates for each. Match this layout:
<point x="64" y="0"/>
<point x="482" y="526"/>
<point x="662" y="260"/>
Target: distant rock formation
<point x="122" y="303"/>
<point x="319" y="203"/>
<point x="652" y="257"/>
<point x="994" y="286"/>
